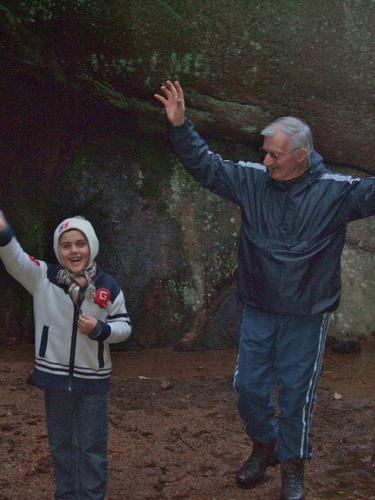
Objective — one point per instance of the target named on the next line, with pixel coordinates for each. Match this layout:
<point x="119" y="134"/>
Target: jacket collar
<point x="316" y="169"/>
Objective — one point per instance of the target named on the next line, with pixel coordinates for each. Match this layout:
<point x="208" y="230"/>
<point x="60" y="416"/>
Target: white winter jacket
<point x="64" y="358"/>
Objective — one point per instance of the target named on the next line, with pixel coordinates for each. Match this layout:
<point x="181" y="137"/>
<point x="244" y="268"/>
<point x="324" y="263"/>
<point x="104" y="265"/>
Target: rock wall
<point x="242" y="62"/>
<point x="82" y="133"/>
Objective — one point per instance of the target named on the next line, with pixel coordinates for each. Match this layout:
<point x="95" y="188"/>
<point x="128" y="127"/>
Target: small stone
<point x="166" y="385"/>
<point x="148" y="462"/>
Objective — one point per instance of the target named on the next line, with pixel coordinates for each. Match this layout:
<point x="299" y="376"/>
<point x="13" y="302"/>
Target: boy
<point x="78" y="310"/>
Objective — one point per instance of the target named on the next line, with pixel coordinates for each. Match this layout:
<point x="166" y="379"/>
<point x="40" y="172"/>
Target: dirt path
<point x="176" y="433"/>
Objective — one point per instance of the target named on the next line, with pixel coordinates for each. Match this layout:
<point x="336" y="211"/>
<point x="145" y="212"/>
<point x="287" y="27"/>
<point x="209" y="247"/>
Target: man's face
<point x="282" y="161"/>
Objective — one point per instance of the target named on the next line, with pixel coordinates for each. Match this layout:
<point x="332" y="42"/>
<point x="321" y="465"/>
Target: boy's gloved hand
<point x="3" y="221"/>
<point x="86" y="324"/>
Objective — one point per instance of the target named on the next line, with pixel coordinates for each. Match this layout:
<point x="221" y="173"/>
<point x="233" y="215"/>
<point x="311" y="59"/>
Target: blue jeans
<point x="280" y="355"/>
<point x="78" y="436"/>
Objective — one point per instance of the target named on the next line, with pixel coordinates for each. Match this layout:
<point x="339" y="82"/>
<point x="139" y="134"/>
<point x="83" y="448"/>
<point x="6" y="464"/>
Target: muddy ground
<point x="175" y="431"/>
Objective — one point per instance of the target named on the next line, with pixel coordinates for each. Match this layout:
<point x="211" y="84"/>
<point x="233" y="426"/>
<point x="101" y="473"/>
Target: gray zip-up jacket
<point x="64" y="358"/>
<point x="292" y="232"/>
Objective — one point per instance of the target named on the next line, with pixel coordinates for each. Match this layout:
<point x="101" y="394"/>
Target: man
<point x="294" y="216"/>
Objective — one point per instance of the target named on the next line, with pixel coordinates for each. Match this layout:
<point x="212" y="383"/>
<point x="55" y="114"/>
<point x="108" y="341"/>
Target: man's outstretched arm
<point x="224" y="177"/>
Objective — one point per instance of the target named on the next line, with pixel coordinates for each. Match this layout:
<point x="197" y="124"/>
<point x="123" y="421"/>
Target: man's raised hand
<point x="173" y="101"/>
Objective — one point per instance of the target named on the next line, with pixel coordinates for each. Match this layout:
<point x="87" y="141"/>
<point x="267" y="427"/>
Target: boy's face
<point x="74" y="251"/>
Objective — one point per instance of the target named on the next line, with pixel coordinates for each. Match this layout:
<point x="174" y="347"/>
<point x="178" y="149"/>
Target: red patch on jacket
<point x="33" y="259"/>
<point x="101" y="297"/>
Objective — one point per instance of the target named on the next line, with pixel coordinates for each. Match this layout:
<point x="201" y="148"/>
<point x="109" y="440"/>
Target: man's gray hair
<point x="301" y="136"/>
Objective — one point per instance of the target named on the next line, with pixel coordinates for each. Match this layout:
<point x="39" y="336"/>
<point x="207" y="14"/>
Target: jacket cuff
<point x="101" y="332"/>
<point x="181" y="130"/>
<point x="6" y="235"/>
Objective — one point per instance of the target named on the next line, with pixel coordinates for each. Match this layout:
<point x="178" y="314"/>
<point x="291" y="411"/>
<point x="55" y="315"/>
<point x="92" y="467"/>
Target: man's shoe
<point x="263" y="455"/>
<point x="292" y="477"/>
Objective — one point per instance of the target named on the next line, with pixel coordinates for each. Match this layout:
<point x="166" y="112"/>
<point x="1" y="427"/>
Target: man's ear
<point x="302" y="155"/>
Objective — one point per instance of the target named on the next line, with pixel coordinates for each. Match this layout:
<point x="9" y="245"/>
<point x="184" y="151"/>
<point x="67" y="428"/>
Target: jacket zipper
<point x="73" y="344"/>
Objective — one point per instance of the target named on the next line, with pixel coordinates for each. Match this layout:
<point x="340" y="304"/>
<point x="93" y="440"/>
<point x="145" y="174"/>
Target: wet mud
<point x="175" y="430"/>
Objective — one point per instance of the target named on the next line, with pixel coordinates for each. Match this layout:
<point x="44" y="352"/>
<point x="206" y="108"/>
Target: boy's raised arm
<point x="27" y="270"/>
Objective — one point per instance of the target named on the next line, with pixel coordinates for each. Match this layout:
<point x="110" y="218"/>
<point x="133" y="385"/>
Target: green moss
<point x="35" y="238"/>
<point x="9" y="17"/>
<point x="188" y="64"/>
<point x="38" y="9"/>
<point x="250" y="129"/>
<point x="187" y="292"/>
<point x="79" y="164"/>
<point x="210" y="253"/>
<point x="32" y="227"/>
<point x="158" y="166"/>
<point x="33" y="11"/>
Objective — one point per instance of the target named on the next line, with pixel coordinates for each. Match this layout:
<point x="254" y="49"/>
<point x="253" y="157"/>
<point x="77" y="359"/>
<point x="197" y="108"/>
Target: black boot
<point x="263" y="455"/>
<point x="292" y="477"/>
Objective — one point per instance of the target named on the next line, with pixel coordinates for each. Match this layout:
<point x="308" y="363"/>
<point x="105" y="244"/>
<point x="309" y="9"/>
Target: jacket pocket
<point x="43" y="342"/>
<point x="101" y="354"/>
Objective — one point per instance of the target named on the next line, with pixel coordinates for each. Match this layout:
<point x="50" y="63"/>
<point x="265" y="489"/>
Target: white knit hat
<point x="82" y="225"/>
